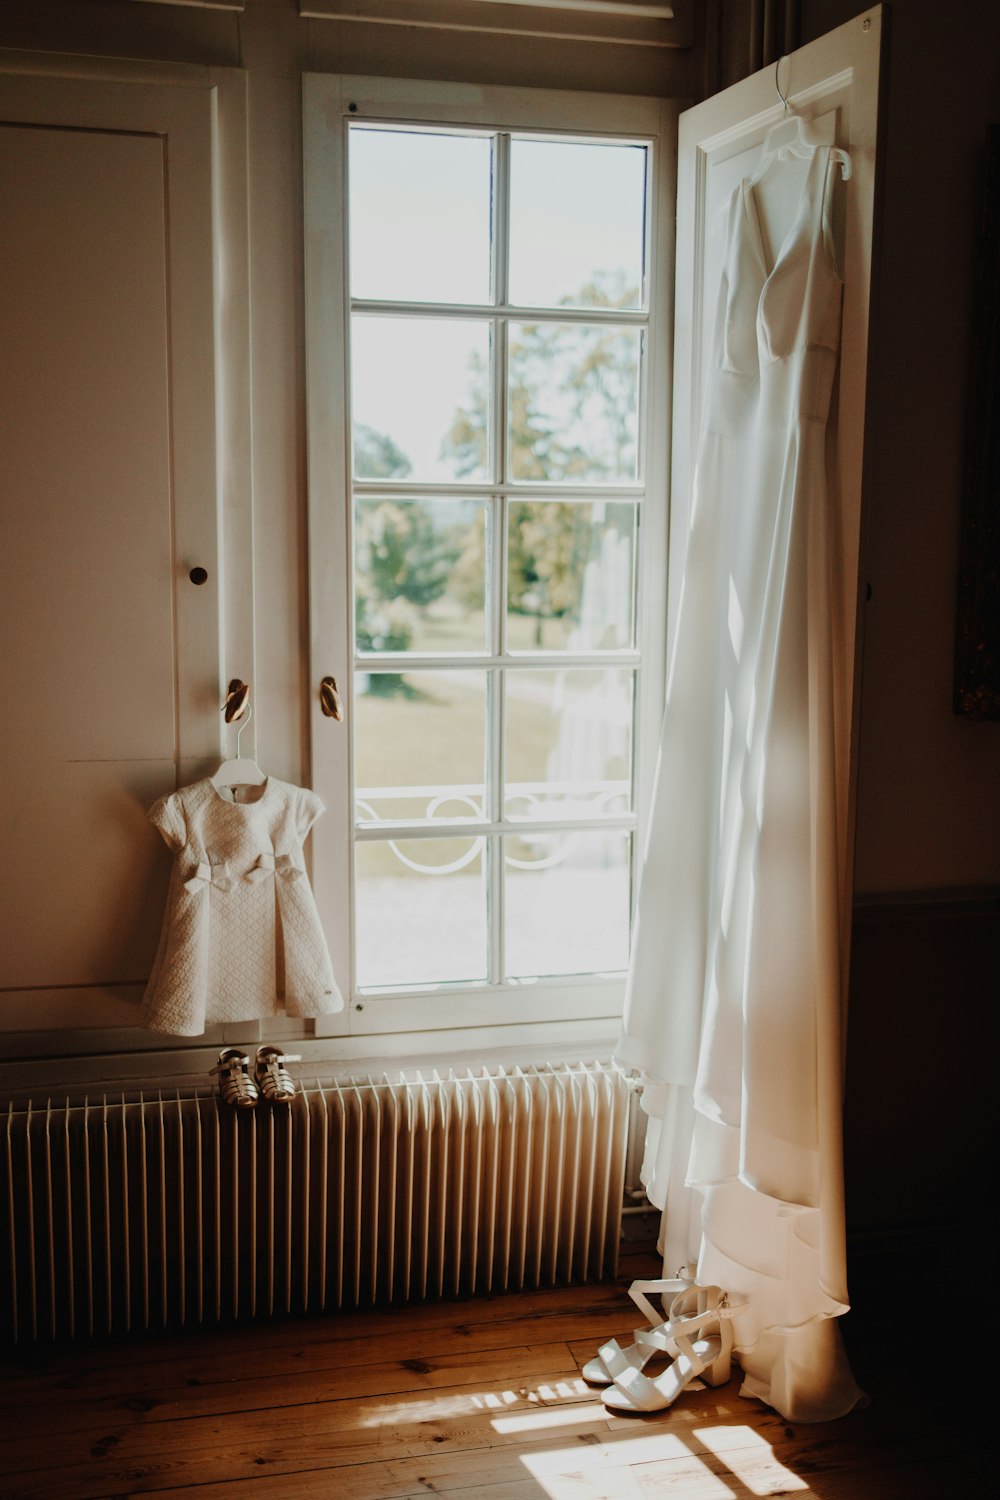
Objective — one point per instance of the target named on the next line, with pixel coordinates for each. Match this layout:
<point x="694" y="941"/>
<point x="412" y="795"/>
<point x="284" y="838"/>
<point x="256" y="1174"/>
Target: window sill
<point x="43" y="1065"/>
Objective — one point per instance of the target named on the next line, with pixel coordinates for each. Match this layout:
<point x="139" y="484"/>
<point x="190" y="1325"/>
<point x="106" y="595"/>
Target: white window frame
<point x="578" y="1008"/>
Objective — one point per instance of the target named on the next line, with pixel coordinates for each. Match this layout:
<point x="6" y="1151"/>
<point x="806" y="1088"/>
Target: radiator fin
<point x="148" y="1211"/>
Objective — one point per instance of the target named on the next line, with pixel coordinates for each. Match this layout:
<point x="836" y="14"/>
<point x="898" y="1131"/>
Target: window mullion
<point x="498" y="561"/>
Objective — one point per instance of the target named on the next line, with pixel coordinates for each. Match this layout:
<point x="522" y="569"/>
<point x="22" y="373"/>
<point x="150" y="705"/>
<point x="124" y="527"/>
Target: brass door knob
<point x="329" y="699"/>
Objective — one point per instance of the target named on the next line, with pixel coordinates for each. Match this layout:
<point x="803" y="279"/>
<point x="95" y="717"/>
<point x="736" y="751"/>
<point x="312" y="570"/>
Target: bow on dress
<point x="210" y="874"/>
<point x="279" y="865"/>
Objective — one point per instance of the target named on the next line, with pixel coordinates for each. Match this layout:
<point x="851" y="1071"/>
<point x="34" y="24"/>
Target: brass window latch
<point x="329" y="699"/>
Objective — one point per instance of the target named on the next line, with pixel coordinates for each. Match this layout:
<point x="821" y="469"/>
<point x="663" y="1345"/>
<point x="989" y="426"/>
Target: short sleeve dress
<point x="241" y="939"/>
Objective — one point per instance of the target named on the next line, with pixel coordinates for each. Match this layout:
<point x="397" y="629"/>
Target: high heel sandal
<point x="236" y="1087"/>
<point x="275" y="1082"/>
<point x="704" y="1351"/>
<point x="612" y="1358"/>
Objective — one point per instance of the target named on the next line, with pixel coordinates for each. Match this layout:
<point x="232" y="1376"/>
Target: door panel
<point x="112" y="461"/>
<point x="834" y="84"/>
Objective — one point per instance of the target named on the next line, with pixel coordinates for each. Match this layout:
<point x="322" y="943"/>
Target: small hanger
<point x="788" y="138"/>
<point x="241" y="771"/>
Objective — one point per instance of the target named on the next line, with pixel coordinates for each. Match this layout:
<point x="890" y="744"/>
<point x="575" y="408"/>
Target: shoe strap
<point x="654" y="1315"/>
<point x="233" y="1067"/>
<point x="274" y="1062"/>
<point x="614" y="1358"/>
<point x="638" y="1390"/>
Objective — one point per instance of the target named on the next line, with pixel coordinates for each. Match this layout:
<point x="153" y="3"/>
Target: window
<point x="500" y="487"/>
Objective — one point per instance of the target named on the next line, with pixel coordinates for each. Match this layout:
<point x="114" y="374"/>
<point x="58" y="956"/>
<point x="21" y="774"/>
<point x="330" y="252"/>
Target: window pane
<point x="577" y="224"/>
<point x="567" y="903"/>
<point x="420" y="391"/>
<point x="573" y="403"/>
<point x="419" y="745"/>
<point x="569" y="743"/>
<point x="421" y="912"/>
<point x="420" y="575"/>
<point x="569" y="576"/>
<point x="420" y="216"/>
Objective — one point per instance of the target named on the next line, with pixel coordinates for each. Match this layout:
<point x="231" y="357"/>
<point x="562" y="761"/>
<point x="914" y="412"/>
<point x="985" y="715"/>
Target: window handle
<point x="329" y="699"/>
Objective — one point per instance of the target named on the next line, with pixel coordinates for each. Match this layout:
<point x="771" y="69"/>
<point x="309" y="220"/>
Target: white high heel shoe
<point x="704" y="1351"/>
<point x="612" y="1358"/>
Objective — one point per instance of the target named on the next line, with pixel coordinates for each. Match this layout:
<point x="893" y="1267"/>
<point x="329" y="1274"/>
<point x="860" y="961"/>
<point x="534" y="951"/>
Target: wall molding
<point x="632" y="23"/>
<point x="979" y="897"/>
<point x="239" y="5"/>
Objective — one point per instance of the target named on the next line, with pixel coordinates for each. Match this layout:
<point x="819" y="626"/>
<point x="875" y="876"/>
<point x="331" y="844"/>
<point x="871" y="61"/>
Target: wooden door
<point x="834" y="84"/>
<point x="116" y="455"/>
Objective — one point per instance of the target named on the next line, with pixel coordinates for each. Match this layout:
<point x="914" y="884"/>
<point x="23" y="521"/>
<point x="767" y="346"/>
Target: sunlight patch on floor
<point x="623" y="1471"/>
<point x="422" y="1407"/>
<point x="553" y="1416"/>
<point x="560" y="1390"/>
<point x="750" y="1458"/>
<point x="494" y="1400"/>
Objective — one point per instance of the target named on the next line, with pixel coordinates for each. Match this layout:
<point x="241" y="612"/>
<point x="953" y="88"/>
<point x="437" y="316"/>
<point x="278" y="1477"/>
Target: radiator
<point x="144" y="1212"/>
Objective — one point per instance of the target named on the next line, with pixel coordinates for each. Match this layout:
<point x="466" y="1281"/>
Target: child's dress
<point x="241" y="939"/>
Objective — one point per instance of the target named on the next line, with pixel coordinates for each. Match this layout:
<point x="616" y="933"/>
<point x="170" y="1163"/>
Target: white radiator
<point x="143" y="1212"/>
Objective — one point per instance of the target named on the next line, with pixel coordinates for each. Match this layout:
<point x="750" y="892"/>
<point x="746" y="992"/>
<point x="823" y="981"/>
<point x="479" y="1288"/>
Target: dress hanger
<point x="241" y="771"/>
<point x="788" y="138"/>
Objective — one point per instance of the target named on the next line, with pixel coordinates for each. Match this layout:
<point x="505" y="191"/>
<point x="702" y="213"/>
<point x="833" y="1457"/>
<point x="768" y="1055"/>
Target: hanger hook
<point x="244" y="721"/>
<point x="777" y="85"/>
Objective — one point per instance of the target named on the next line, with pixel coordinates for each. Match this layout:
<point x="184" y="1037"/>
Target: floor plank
<point x="476" y="1398"/>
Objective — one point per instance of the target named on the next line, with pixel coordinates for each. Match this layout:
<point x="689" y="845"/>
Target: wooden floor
<point x="476" y="1398"/>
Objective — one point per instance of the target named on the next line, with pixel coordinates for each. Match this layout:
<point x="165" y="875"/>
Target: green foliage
<point x="572" y="406"/>
<point x="404" y="558"/>
<point x="572" y="410"/>
<point x="376" y="456"/>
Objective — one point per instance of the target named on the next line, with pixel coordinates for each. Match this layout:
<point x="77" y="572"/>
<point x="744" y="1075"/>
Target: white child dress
<point x="241" y="938"/>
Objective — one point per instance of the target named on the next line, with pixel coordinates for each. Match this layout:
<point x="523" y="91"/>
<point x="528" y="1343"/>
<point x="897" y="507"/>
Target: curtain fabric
<point x="733" y="1002"/>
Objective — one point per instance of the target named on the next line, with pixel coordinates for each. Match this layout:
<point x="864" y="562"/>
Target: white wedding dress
<point x="733" y="1004"/>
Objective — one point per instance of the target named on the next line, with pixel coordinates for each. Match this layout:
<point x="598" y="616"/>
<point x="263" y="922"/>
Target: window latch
<point x="329" y="699"/>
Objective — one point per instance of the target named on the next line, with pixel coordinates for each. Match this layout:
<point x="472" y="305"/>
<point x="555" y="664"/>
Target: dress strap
<point x="824" y="229"/>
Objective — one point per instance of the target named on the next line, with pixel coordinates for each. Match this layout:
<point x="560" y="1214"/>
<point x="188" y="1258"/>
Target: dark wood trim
<point x="977" y="643"/>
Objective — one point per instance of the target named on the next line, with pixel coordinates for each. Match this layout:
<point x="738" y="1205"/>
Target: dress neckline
<point x="747" y="185"/>
<point x="230" y="802"/>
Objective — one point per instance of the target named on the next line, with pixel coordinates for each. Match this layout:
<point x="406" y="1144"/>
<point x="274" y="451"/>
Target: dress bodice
<point x="777" y="327"/>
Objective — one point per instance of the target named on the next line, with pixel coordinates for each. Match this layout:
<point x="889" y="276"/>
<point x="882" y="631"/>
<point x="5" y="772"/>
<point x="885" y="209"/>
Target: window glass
<point x="421" y="912"/>
<point x="419" y="216"/>
<point x="569" y="575"/>
<point x="420" y="575"/>
<point x="577" y="217"/>
<point x="569" y="743"/>
<point x="573" y="403"/>
<point x="566" y="903"/>
<point x="419" y="745"/>
<point x="491" y="729"/>
<point x="420" y="398"/>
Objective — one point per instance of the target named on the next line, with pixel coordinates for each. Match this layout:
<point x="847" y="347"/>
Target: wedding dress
<point x="733" y="1002"/>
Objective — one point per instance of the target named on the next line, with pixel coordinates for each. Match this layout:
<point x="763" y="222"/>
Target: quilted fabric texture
<point x="241" y="938"/>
